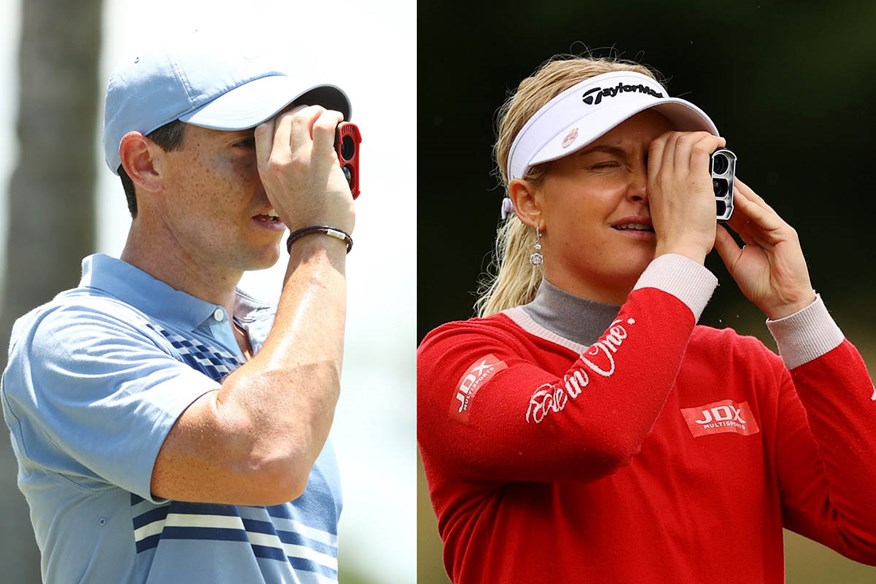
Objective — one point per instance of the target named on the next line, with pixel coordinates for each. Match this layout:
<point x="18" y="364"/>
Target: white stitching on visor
<point x="586" y="111"/>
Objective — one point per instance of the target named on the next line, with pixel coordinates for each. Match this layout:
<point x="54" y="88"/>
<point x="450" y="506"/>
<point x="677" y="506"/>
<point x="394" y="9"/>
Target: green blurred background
<point x="789" y="84"/>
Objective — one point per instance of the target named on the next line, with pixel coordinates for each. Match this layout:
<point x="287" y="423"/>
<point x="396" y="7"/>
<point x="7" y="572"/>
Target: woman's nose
<point x="638" y="189"/>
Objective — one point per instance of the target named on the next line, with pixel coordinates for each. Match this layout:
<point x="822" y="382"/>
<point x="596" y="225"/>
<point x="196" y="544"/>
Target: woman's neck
<point x="572" y="317"/>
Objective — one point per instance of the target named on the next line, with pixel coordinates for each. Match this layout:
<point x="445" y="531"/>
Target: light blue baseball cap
<point x="206" y="84"/>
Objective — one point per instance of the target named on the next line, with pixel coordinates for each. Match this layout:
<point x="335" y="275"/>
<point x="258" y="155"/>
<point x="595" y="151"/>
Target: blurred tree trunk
<point x="51" y="203"/>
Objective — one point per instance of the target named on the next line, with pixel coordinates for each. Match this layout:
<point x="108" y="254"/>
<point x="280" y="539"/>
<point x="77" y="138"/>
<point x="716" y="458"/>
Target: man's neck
<point x="182" y="270"/>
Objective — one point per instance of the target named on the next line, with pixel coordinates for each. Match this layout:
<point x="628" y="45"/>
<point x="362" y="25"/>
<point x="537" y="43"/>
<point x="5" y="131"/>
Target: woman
<point x="585" y="428"/>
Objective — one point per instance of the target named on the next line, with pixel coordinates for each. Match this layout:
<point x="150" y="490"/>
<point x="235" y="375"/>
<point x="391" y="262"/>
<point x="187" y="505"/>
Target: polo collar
<point x="151" y="295"/>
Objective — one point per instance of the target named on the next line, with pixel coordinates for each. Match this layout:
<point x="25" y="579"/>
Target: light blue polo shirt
<point x="96" y="379"/>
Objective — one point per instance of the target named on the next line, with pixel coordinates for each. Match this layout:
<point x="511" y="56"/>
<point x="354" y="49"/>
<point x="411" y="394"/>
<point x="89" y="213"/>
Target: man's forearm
<point x="289" y="390"/>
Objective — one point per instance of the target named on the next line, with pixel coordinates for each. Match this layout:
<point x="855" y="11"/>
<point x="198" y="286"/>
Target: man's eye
<point x="248" y="143"/>
<point x="604" y="165"/>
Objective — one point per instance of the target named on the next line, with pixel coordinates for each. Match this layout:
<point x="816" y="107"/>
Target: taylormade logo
<point x="594" y="96"/>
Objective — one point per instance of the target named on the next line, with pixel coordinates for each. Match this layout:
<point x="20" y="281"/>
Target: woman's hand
<point x="770" y="268"/>
<point x="680" y="195"/>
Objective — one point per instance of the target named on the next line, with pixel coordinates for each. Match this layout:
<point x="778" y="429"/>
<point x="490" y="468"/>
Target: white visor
<point x="586" y="111"/>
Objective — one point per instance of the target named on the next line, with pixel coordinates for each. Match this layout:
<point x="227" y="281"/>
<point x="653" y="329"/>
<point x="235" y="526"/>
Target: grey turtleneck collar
<point x="574" y="318"/>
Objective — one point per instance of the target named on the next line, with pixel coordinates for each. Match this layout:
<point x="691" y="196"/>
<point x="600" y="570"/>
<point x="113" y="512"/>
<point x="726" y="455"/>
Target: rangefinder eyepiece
<point x="723" y="170"/>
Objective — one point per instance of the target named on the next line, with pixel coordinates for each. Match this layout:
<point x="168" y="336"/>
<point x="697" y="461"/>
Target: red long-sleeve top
<point x="662" y="452"/>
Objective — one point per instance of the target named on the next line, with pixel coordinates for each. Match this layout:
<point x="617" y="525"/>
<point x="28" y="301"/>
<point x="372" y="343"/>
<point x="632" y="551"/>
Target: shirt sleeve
<point x="93" y="396"/>
<point x="526" y="420"/>
<point x="827" y="442"/>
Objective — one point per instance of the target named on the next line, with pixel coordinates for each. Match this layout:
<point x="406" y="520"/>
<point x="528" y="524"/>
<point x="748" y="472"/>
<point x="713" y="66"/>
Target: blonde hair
<point x="510" y="280"/>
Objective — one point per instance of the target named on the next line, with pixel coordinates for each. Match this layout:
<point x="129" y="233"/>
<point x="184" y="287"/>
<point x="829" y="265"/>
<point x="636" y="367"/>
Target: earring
<point x="535" y="258"/>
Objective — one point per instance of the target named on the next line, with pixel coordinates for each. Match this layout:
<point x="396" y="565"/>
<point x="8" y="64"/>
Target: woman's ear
<point x="137" y="153"/>
<point x="527" y="202"/>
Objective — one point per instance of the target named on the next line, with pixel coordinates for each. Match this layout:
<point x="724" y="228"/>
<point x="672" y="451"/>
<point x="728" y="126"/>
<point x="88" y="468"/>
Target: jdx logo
<point x="594" y="96"/>
<point x="471" y="381"/>
<point x="721" y="416"/>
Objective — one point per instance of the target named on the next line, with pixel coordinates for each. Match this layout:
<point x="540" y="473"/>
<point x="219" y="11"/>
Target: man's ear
<point x="138" y="155"/>
<point x="527" y="202"/>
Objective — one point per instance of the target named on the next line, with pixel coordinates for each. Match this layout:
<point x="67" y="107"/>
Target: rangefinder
<point x="347" y="140"/>
<point x="723" y="170"/>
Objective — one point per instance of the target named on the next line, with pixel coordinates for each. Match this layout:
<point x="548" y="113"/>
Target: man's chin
<point x="265" y="260"/>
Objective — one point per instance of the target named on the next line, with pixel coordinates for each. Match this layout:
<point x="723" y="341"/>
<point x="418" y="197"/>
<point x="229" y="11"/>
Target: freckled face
<point x="598" y="236"/>
<point x="215" y="206"/>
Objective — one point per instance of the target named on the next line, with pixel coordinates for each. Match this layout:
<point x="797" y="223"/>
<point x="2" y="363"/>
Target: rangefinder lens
<point x="719" y="163"/>
<point x="348" y="147"/>
<point x="719" y="186"/>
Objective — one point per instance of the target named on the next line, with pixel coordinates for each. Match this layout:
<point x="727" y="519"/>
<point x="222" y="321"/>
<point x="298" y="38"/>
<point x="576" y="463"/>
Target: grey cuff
<point x="682" y="277"/>
<point x="806" y="335"/>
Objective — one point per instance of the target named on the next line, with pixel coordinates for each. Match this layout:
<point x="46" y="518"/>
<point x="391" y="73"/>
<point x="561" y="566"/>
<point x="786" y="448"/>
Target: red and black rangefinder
<point x="347" y="140"/>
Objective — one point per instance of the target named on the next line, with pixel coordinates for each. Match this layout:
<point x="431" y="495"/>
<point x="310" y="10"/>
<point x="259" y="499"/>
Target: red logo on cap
<point x="570" y="137"/>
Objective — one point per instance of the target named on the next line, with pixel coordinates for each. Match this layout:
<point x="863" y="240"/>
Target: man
<point x="169" y="428"/>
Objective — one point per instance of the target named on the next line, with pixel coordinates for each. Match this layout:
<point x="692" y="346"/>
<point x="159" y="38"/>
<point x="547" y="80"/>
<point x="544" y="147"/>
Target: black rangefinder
<point x="723" y="170"/>
<point x="347" y="139"/>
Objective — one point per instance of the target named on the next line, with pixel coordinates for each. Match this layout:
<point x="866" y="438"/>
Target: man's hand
<point x="300" y="171"/>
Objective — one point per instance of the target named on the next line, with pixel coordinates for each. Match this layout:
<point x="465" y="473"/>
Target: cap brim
<point x="683" y="115"/>
<point x="259" y="100"/>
